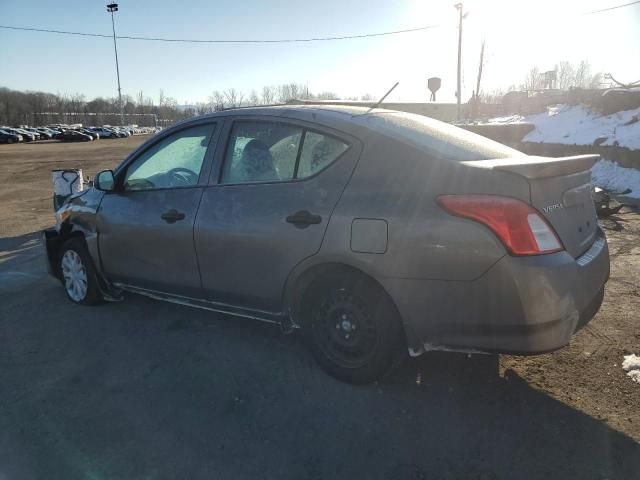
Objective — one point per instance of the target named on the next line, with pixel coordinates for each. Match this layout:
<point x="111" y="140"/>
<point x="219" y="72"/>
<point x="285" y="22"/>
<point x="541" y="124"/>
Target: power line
<point x="188" y="40"/>
<point x="285" y="40"/>
<point x="611" y="8"/>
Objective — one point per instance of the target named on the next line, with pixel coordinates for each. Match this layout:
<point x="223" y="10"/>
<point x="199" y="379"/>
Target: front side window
<point x="175" y="161"/>
<point x="270" y="151"/>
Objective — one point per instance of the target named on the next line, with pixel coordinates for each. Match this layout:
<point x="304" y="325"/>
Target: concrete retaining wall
<point x="512" y="135"/>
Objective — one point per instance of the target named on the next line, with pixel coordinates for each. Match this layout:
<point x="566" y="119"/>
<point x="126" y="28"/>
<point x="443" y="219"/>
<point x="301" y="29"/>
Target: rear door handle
<point x="172" y="216"/>
<point x="304" y="218"/>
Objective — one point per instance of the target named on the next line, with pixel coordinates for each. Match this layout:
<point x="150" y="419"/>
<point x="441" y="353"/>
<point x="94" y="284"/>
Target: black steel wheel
<point x="353" y="327"/>
<point x="344" y="329"/>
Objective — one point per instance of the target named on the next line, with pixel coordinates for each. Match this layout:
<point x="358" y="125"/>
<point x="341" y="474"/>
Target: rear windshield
<point x="440" y="139"/>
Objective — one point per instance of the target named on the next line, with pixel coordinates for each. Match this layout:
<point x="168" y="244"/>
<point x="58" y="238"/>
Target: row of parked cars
<point x="65" y="133"/>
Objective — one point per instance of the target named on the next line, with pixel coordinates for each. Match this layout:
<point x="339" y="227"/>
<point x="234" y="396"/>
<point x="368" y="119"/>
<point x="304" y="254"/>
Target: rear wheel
<point x="77" y="273"/>
<point x="354" y="329"/>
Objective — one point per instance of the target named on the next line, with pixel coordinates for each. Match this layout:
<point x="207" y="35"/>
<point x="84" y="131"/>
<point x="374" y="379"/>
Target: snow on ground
<point x="613" y="177"/>
<point x="631" y="365"/>
<point x="578" y="125"/>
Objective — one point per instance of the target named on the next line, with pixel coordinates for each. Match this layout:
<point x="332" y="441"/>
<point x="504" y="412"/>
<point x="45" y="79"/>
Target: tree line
<point x="41" y="108"/>
<point x="564" y="76"/>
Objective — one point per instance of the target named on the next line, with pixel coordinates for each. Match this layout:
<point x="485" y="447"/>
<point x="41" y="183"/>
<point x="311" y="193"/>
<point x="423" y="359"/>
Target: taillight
<point x="521" y="229"/>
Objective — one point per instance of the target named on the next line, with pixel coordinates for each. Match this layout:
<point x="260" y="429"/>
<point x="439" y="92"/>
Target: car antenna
<point x="377" y="104"/>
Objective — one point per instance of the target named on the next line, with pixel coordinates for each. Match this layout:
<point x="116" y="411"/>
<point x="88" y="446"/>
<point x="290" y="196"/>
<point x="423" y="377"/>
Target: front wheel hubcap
<point x="74" y="274"/>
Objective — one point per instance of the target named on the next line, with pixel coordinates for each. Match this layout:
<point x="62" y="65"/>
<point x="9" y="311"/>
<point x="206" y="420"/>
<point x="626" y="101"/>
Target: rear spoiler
<point x="538" y="167"/>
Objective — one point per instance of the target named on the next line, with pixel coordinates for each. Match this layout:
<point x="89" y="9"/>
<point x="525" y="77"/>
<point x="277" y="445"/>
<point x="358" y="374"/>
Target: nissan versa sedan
<point x="374" y="232"/>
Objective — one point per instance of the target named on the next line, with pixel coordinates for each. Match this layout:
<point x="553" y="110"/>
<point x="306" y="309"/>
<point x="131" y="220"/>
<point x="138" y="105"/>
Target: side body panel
<point x="138" y="247"/>
<point x="246" y="247"/>
<point x="399" y="184"/>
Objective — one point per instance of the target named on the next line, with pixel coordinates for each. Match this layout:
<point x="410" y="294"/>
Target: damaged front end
<point x="76" y="218"/>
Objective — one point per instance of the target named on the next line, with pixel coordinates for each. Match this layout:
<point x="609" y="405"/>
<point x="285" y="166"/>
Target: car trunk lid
<point x="560" y="190"/>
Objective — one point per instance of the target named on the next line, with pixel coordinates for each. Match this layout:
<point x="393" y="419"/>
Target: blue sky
<point x="519" y="34"/>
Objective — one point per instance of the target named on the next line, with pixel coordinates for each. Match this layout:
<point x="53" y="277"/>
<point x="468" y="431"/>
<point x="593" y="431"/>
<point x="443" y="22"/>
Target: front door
<point x="145" y="226"/>
<point x="269" y="208"/>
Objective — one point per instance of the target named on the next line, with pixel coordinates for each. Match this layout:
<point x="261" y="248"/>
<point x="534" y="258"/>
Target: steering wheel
<point x="139" y="184"/>
<point x="183" y="176"/>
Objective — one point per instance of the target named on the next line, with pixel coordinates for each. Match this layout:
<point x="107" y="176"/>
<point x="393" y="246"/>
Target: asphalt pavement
<point x="147" y="390"/>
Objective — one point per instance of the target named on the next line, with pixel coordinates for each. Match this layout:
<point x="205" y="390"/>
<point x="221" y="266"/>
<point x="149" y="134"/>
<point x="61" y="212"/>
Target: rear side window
<point x="271" y="151"/>
<point x="318" y="151"/>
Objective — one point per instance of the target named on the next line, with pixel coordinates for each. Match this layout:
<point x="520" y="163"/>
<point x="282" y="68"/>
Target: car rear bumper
<point x="521" y="305"/>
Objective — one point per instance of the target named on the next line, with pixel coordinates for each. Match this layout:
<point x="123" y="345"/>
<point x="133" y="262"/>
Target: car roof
<point x="420" y="131"/>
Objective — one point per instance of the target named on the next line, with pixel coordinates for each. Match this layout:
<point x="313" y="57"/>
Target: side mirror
<point x="104" y="181"/>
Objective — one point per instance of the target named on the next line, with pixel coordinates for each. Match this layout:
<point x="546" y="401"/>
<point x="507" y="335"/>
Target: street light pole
<point x="459" y="83"/>
<point x="113" y="7"/>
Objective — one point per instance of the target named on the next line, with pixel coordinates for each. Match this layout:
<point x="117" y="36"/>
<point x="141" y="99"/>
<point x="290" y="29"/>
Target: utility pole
<point x="113" y="7"/>
<point x="458" y="6"/>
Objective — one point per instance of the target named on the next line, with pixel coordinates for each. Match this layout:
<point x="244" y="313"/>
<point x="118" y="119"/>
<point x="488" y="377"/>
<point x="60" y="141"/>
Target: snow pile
<point x="578" y="125"/>
<point x="610" y="175"/>
<point x="508" y="120"/>
<point x="631" y="365"/>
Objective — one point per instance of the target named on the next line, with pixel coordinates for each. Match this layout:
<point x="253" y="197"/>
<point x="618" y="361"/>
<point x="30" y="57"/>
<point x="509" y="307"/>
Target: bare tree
<point x="253" y="98"/>
<point x="493" y="96"/>
<point x="294" y="91"/>
<point x="533" y="80"/>
<point x="140" y="101"/>
<point x="328" y="96"/>
<point x="216" y="101"/>
<point x="565" y="75"/>
<point x="201" y="108"/>
<point x="584" y="78"/>
<point x="284" y="93"/>
<point x="268" y="95"/>
<point x="234" y="97"/>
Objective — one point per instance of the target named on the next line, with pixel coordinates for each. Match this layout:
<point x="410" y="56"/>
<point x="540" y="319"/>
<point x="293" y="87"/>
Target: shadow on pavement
<point x="143" y="389"/>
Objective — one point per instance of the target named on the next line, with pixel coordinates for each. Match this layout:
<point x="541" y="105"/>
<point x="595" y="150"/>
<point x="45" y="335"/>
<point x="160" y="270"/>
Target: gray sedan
<point x="374" y="232"/>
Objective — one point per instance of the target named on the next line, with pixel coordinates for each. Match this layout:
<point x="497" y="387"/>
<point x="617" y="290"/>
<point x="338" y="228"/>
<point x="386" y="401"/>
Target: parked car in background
<point x="9" y="137"/>
<point x="27" y="136"/>
<point x="105" y="132"/>
<point x="123" y="131"/>
<point x="91" y="133"/>
<point x="48" y="131"/>
<point x="43" y="135"/>
<point x="375" y="232"/>
<point x="74" y="136"/>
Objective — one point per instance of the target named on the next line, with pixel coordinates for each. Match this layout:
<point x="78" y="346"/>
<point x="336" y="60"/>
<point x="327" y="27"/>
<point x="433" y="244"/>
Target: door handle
<point x="304" y="218"/>
<point x="172" y="216"/>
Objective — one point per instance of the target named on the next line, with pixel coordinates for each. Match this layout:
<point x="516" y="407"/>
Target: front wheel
<point x="354" y="329"/>
<point x="77" y="273"/>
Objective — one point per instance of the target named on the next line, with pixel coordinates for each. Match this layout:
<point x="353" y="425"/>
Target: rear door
<point x="145" y="227"/>
<point x="268" y="206"/>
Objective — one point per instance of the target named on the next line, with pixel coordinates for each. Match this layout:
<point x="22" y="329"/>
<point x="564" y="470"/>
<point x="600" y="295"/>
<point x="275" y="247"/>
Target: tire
<point x="353" y="328"/>
<point x="77" y="273"/>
